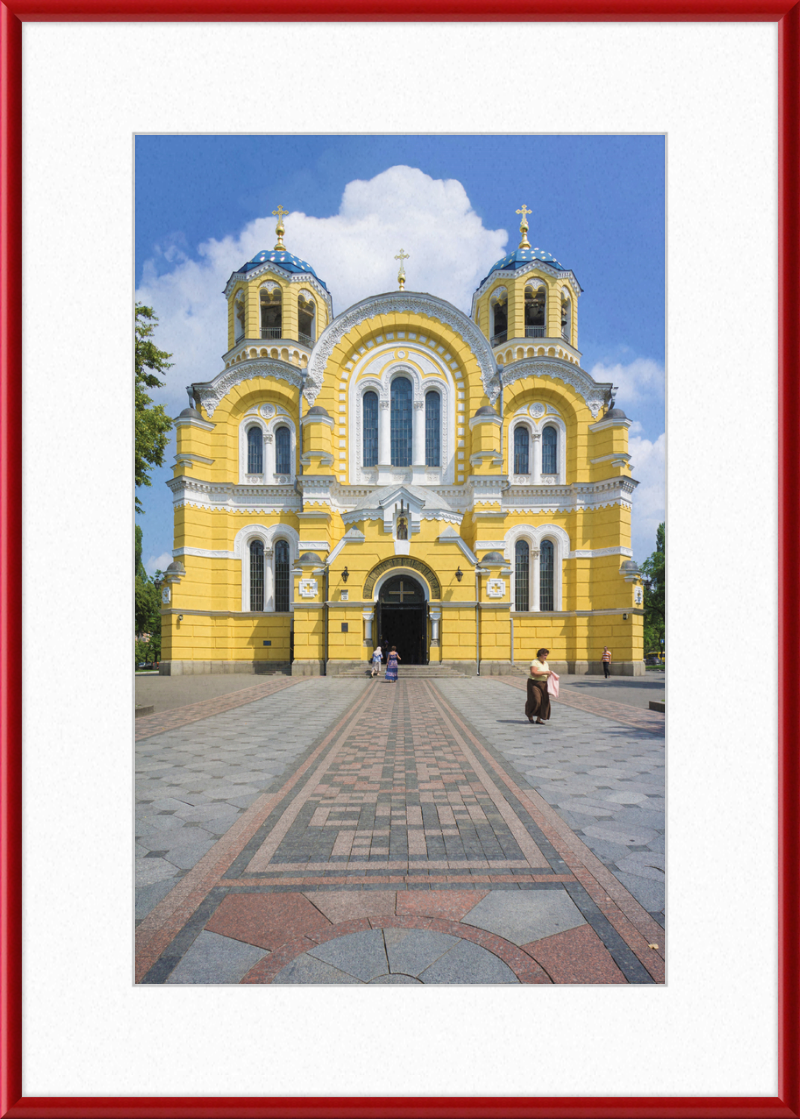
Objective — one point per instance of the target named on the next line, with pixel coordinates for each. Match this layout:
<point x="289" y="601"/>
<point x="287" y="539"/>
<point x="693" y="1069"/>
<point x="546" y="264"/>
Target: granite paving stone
<point x="362" y="954"/>
<point x="411" y="954"/>
<point x="216" y="959"/>
<point x="525" y="916"/>
<point x="468" y="963"/>
<point x="307" y="969"/>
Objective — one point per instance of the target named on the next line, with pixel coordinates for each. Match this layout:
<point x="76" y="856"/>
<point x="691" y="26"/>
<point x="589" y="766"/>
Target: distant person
<point x="538" y="703"/>
<point x="391" y="666"/>
<point x="377" y="660"/>
<point x="606" y="660"/>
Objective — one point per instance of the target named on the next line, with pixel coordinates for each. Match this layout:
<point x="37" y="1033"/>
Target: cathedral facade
<point x="454" y="485"/>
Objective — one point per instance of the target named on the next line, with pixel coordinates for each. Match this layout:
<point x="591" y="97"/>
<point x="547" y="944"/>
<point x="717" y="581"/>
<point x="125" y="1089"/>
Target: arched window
<point x="281" y="576"/>
<point x="550" y="450"/>
<point x="306" y="315"/>
<point x="283" y="450"/>
<point x="499" y="316"/>
<point x="521" y="450"/>
<point x="255" y="451"/>
<point x="370" y="447"/>
<point x="256" y="575"/>
<point x="521" y="570"/>
<point x="433" y="429"/>
<point x="401" y="421"/>
<point x="546" y="571"/>
<point x="566" y="316"/>
<point x="535" y="326"/>
<point x="271" y="324"/>
<point x="238" y="317"/>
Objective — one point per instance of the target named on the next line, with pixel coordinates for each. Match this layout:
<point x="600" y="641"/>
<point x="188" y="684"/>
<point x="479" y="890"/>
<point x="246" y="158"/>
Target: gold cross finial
<point x="401" y="275"/>
<point x="523" y="227"/>
<point x="280" y="229"/>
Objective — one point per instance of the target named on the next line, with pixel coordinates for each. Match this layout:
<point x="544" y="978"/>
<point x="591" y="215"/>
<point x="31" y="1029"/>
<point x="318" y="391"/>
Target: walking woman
<point x="377" y="658"/>
<point x="538" y="696"/>
<point x="391" y="666"/>
<point x="606" y="660"/>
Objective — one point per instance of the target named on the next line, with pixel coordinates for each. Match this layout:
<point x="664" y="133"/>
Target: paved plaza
<point x="332" y="830"/>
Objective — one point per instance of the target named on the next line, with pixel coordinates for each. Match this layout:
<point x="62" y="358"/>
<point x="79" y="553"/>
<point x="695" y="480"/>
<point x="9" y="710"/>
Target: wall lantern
<point x="345" y="574"/>
<point x="459" y="575"/>
<point x="180" y="617"/>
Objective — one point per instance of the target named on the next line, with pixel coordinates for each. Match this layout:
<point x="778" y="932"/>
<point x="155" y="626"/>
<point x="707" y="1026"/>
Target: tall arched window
<point x="256" y="575"/>
<point x="566" y="316"/>
<point x="238" y="317"/>
<point x="401" y="421"/>
<point x="535" y="312"/>
<point x="271" y="324"/>
<point x="550" y="450"/>
<point x="282" y="576"/>
<point x="306" y="314"/>
<point x="499" y="315"/>
<point x="546" y="572"/>
<point x="255" y="451"/>
<point x="370" y="446"/>
<point x="433" y="429"/>
<point x="521" y="450"/>
<point x="521" y="571"/>
<point x="283" y="450"/>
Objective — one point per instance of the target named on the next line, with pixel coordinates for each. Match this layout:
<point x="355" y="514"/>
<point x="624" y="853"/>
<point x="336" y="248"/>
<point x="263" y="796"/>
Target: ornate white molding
<point x="211" y="393"/>
<point x="233" y="498"/>
<point x="594" y="393"/>
<point x="596" y="553"/>
<point x="402" y="303"/>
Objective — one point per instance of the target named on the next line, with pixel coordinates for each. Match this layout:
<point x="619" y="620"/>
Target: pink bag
<point x="552" y="685"/>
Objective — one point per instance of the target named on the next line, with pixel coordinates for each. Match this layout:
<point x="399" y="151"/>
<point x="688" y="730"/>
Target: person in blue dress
<point x="391" y="665"/>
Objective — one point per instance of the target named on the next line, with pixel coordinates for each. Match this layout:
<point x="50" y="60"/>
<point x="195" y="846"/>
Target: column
<point x="269" y="458"/>
<point x="368" y="616"/>
<point x="269" y="578"/>
<point x="536" y="459"/>
<point x="436" y="617"/>
<point x="534" y="590"/>
<point x="384" y="440"/>
<point x="418" y="438"/>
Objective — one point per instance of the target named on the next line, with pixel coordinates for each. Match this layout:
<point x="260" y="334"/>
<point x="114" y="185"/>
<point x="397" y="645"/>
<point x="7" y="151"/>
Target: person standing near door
<point x="391" y="666"/>
<point x="606" y="660"/>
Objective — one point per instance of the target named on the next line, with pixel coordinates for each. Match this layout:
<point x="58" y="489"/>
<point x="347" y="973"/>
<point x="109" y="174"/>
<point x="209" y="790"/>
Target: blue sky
<point x="204" y="205"/>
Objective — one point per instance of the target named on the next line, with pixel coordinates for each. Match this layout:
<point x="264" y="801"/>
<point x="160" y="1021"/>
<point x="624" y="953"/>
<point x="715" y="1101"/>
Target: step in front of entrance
<point x="409" y="671"/>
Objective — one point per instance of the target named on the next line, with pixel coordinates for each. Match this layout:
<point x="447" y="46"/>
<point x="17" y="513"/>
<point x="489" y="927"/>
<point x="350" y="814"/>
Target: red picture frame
<point x="12" y="15"/>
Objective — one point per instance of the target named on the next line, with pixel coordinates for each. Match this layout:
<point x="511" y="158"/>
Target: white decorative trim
<point x="352" y="536"/>
<point x="496" y="588"/>
<point x="204" y="553"/>
<point x="269" y="536"/>
<point x="307" y="588"/>
<point x="211" y="393"/>
<point x="189" y="421"/>
<point x="450" y="536"/>
<point x="274" y="267"/>
<point x="229" y="498"/>
<point x="596" y="553"/>
<point x="604" y="423"/>
<point x="314" y="546"/>
<point x="519" y="273"/>
<point x="594" y="393"/>
<point x="535" y="535"/>
<point x="402" y="303"/>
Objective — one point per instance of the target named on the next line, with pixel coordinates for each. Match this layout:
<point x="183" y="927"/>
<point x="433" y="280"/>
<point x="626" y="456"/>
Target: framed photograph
<point x="78" y="1035"/>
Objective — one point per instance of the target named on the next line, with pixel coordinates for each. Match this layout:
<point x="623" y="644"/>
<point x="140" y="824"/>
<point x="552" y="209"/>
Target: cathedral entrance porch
<point x="401" y="618"/>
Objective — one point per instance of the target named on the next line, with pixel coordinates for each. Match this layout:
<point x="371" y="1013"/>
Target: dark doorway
<point x="402" y="619"/>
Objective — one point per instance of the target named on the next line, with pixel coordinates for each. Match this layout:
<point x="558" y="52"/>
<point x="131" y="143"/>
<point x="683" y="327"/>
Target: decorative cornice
<point x="232" y="498"/>
<point x="211" y="393"/>
<point x="402" y="303"/>
<point x="594" y="393"/>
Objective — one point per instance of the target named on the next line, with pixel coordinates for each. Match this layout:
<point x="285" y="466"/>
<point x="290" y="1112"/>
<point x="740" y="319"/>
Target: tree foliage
<point x="152" y="422"/>
<point x="654" y="572"/>
<point x="147" y="645"/>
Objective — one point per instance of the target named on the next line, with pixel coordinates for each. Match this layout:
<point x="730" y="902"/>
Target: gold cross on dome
<point x="280" y="229"/>
<point x="523" y="227"/>
<point x="401" y="275"/>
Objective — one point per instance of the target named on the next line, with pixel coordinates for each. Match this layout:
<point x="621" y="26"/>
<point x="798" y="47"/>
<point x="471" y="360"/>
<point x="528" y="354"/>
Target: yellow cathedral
<point x="403" y="473"/>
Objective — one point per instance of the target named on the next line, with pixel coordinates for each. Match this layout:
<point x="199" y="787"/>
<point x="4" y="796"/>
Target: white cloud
<point x="640" y="382"/>
<point x="158" y="563"/>
<point x="352" y="251"/>
<point x="647" y="467"/>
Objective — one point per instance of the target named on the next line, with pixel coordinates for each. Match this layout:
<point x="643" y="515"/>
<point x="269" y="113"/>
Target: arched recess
<point x="395" y="565"/>
<point x="269" y="535"/>
<point x="535" y="536"/>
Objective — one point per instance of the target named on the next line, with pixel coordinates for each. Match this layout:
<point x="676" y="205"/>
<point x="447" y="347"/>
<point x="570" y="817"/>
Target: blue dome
<point x="519" y="258"/>
<point x="286" y="260"/>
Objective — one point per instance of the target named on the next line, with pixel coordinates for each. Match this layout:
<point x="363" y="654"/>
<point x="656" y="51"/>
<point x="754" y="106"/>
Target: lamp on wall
<point x="459" y="575"/>
<point x="180" y="617"/>
<point x="345" y="574"/>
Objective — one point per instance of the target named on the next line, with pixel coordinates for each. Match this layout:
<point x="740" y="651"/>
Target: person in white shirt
<point x="538" y="702"/>
<point x="377" y="658"/>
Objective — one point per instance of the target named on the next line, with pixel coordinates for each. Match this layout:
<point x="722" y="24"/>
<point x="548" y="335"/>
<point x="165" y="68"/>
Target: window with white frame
<point x="283" y="450"/>
<point x="238" y="316"/>
<point x="271" y="306"/>
<point x="535" y="310"/>
<point x="401" y="421"/>
<point x="538" y="560"/>
<point x="433" y="429"/>
<point x="522" y="554"/>
<point x="546" y="575"/>
<point x="255" y="450"/>
<point x="499" y="316"/>
<point x="256" y="575"/>
<point x="282" y="575"/>
<point x="522" y="443"/>
<point x="369" y="406"/>
<point x="306" y="318"/>
<point x="566" y="318"/>
<point x="550" y="450"/>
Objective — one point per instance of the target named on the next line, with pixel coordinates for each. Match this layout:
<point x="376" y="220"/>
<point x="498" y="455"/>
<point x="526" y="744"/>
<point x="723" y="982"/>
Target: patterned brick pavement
<point x="399" y="847"/>
<point x="149" y="725"/>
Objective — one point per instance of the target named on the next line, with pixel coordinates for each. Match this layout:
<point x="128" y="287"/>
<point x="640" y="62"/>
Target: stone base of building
<point x="205" y="668"/>
<point x="308" y="668"/>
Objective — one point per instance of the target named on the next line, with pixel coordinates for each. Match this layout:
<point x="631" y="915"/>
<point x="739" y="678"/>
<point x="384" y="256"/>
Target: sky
<point x="204" y="206"/>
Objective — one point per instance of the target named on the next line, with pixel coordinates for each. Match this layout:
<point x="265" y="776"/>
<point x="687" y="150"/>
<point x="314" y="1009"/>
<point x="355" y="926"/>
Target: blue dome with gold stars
<point x="286" y="260"/>
<point x="519" y="258"/>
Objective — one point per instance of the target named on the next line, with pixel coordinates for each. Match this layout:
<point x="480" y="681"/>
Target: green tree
<point x="147" y="597"/>
<point x="152" y="422"/>
<point x="654" y="573"/>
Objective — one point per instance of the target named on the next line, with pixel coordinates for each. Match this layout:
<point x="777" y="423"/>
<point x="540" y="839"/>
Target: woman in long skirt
<point x="538" y="703"/>
<point x="391" y="666"/>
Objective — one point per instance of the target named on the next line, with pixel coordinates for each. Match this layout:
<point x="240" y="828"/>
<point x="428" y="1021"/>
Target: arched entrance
<point x="401" y="616"/>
